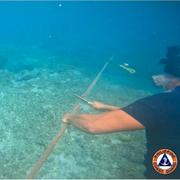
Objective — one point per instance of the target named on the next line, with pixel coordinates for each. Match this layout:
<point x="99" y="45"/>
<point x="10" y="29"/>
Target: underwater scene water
<point x="51" y="50"/>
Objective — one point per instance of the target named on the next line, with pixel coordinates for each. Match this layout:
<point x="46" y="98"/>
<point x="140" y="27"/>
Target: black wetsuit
<point x="160" y="115"/>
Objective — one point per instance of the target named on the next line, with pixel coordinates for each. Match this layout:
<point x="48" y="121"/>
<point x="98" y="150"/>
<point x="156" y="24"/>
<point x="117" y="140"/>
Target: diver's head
<point x="171" y="77"/>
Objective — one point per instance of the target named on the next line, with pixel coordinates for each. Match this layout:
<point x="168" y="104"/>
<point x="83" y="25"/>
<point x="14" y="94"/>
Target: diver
<point x="158" y="114"/>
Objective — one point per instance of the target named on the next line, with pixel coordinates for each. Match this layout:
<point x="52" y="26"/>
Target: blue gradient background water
<point x="133" y="32"/>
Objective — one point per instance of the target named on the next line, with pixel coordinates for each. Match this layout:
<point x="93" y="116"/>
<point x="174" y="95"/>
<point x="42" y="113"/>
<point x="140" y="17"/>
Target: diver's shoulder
<point x="158" y="95"/>
<point x="164" y="95"/>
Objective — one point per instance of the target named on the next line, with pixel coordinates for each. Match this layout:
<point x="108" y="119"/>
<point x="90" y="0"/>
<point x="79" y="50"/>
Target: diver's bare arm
<point x="109" y="107"/>
<point x="107" y="122"/>
<point x="102" y="106"/>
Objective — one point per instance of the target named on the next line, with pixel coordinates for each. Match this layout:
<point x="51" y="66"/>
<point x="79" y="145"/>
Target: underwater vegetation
<point x="32" y="103"/>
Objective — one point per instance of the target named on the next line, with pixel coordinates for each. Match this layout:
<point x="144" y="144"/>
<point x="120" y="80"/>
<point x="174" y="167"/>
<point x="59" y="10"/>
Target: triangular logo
<point x="164" y="161"/>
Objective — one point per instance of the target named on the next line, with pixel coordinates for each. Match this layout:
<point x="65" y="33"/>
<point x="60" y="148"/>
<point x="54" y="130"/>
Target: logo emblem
<point x="164" y="161"/>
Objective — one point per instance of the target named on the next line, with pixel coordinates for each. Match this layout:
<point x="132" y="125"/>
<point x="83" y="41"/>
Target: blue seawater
<point x="50" y="50"/>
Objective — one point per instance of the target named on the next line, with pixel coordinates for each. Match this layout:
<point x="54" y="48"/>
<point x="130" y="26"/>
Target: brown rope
<point x="58" y="136"/>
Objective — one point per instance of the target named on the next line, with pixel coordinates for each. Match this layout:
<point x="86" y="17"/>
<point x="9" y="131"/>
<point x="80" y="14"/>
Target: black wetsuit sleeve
<point x="146" y="111"/>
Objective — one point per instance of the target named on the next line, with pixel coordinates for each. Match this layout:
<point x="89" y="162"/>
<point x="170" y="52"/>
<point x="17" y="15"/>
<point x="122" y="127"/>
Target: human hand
<point x="97" y="105"/>
<point x="66" y="118"/>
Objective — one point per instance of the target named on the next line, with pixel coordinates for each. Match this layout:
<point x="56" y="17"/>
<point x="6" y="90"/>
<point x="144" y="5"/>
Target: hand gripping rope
<point x="58" y="136"/>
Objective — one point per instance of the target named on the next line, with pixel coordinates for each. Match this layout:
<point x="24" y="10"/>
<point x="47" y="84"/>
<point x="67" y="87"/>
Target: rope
<point x="58" y="136"/>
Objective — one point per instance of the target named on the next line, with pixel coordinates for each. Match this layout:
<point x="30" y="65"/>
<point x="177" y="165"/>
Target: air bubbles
<point x="60" y="5"/>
